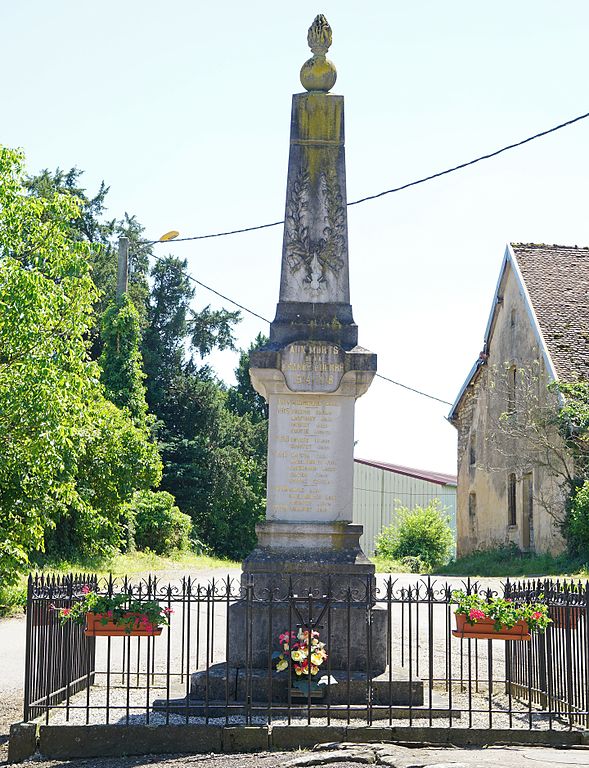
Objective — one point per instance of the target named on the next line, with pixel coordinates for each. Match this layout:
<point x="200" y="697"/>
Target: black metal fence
<point x="391" y="657"/>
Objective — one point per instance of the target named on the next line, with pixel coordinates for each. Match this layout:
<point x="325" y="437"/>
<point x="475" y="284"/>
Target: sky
<point x="183" y="109"/>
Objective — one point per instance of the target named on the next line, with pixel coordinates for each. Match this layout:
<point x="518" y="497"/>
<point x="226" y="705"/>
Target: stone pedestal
<point x="355" y="634"/>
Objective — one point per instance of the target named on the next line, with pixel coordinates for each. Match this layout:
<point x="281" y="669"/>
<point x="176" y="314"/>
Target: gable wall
<point x="495" y="455"/>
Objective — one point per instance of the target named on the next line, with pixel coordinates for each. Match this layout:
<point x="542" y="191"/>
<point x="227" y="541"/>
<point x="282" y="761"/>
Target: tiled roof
<point x="421" y="474"/>
<point x="557" y="280"/>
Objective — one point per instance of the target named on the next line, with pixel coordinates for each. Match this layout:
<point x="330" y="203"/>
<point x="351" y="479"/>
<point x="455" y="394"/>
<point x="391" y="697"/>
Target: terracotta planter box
<point x="558" y="614"/>
<point x="484" y="629"/>
<point x="95" y="628"/>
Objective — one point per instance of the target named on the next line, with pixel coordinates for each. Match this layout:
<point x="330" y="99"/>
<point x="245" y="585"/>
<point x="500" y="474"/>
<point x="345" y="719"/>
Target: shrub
<point x="577" y="526"/>
<point x="155" y="523"/>
<point x="413" y="564"/>
<point x="421" y="533"/>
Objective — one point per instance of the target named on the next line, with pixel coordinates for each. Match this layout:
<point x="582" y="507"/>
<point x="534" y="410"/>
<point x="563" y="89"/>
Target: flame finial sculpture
<point x="319" y="73"/>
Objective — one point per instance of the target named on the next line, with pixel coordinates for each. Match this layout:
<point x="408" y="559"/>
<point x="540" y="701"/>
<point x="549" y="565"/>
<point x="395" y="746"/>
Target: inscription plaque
<point x="310" y="468"/>
<point x="312" y="366"/>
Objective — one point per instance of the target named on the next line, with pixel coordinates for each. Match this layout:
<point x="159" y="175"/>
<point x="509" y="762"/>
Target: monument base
<point x="303" y="558"/>
<point x="222" y="683"/>
<point x="355" y="634"/>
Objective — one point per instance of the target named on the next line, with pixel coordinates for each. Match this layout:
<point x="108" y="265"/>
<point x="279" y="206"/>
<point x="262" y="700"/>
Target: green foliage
<point x="46" y="380"/>
<point x="121" y="609"/>
<point x="157" y="524"/>
<point x="115" y="459"/>
<point x="504" y="611"/>
<point x="510" y="561"/>
<point x="573" y="415"/>
<point x="13" y="598"/>
<point x="421" y="532"/>
<point x="164" y="338"/>
<point x="243" y="398"/>
<point x="212" y="329"/>
<point x="213" y="463"/>
<point x="414" y="564"/>
<point x="68" y="457"/>
<point x="71" y="459"/>
<point x="578" y="520"/>
<point x="573" y="423"/>
<point x="121" y="363"/>
<point x="88" y="226"/>
<point x="214" y="458"/>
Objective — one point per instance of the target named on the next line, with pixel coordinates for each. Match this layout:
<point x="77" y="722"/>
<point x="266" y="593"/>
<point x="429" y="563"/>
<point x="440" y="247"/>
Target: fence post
<point x="29" y="630"/>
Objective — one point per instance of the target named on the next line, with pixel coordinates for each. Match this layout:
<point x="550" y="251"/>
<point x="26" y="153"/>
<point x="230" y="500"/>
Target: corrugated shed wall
<point x="378" y="492"/>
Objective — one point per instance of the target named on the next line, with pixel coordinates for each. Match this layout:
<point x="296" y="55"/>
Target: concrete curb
<point x="22" y="742"/>
<point x="83" y="741"/>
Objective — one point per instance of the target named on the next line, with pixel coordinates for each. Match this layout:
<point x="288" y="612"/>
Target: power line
<point x="411" y="389"/>
<point x="394" y="189"/>
<point x="265" y="319"/>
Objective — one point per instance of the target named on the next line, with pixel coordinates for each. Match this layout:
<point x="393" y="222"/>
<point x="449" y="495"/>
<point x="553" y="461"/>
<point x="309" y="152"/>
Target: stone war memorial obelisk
<point x="311" y="373"/>
<point x="312" y="370"/>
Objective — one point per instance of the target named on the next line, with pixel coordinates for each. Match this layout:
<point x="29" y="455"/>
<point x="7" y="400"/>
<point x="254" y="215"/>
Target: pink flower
<point x="109" y="614"/>
<point x="85" y="589"/>
<point x="168" y="611"/>
<point x="476" y="614"/>
<point x="65" y="611"/>
<point x="536" y="615"/>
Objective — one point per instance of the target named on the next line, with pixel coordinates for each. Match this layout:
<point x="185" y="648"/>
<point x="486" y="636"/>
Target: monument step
<point x="389" y="688"/>
<point x="218" y="709"/>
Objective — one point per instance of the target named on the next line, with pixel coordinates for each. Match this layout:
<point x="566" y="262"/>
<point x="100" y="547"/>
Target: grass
<point x="385" y="565"/>
<point x="13" y="599"/>
<point x="134" y="562"/>
<point x="508" y="561"/>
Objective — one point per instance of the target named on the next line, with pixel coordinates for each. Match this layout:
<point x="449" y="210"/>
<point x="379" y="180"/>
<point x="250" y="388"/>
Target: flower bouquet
<point x="112" y="615"/>
<point x="303" y="653"/>
<point x="497" y="618"/>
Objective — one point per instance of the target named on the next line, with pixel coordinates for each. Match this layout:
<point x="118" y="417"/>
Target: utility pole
<point x="123" y="273"/>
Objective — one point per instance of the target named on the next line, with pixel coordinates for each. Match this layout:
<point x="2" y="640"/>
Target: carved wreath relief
<point x="317" y="258"/>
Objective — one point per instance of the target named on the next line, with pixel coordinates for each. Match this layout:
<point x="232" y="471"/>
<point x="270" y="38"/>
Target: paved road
<point x="493" y="757"/>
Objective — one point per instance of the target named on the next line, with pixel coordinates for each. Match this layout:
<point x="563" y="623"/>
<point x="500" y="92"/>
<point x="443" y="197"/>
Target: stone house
<point x="510" y="470"/>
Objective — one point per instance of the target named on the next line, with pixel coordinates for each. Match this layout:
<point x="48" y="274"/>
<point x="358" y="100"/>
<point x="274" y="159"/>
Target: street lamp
<point x="173" y="233"/>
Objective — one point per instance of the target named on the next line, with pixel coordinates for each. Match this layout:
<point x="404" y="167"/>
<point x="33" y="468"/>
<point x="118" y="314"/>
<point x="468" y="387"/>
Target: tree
<point x="46" y="297"/>
<point x="68" y="457"/>
<point x="167" y="330"/>
<point x="88" y="225"/>
<point x="120" y="360"/>
<point x="114" y="459"/>
<point x="243" y="398"/>
<point x="211" y="453"/>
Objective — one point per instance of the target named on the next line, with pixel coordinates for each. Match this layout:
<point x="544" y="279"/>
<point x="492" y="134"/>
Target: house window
<point x="472" y="504"/>
<point x="511" y="381"/>
<point x="511" y="500"/>
<point x="528" y="512"/>
<point x="472" y="459"/>
<point x="513" y="318"/>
